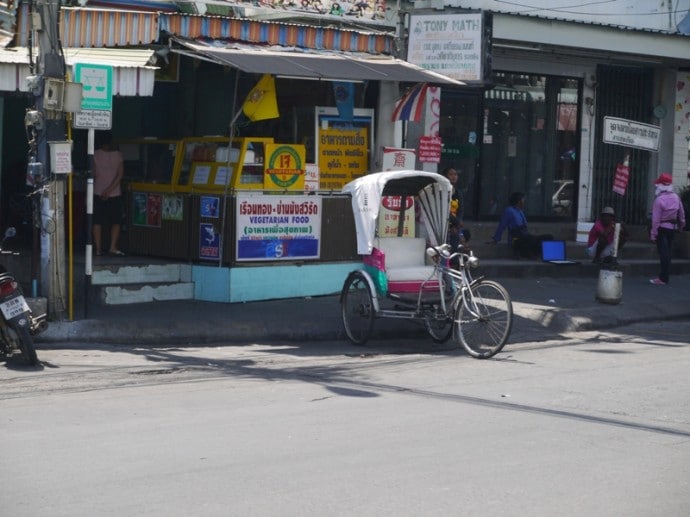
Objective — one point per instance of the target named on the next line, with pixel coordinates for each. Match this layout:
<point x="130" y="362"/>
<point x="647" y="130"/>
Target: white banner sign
<point x="449" y="44"/>
<point x="629" y="133"/>
<point x="278" y="227"/>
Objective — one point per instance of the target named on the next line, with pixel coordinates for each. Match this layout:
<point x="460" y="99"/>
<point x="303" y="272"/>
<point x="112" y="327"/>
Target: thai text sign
<point x="343" y="155"/>
<point x="278" y="227"/>
<point x="93" y="119"/>
<point x="430" y="149"/>
<point x="628" y="133"/>
<point x="449" y="44"/>
<point x="620" y="182"/>
<point x="389" y="216"/>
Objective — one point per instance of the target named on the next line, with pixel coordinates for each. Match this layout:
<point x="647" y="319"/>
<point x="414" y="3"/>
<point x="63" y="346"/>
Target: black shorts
<point x="107" y="211"/>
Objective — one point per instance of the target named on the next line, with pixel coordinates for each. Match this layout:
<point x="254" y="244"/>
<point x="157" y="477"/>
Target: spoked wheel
<point x="357" y="306"/>
<point x="484" y="319"/>
<point x="439" y="326"/>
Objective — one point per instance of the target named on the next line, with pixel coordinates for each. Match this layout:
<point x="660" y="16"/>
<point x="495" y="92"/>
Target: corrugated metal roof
<point x="107" y="28"/>
<point x="91" y="27"/>
<point x="117" y="57"/>
<point x="8" y="21"/>
<point x="275" y="33"/>
<point x="132" y="74"/>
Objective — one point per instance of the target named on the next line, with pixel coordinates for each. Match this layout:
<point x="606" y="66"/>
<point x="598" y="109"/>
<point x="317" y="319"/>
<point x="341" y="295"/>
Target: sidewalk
<point x="556" y="305"/>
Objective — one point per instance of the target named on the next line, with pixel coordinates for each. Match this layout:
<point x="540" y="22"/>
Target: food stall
<point x="216" y="201"/>
<point x="179" y="188"/>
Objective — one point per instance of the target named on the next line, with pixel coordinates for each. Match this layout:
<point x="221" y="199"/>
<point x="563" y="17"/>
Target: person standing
<point x="668" y="216"/>
<point x="108" y="170"/>
<point x="456" y="200"/>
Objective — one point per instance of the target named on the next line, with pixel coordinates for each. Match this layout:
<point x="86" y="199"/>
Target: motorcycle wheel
<point x="26" y="343"/>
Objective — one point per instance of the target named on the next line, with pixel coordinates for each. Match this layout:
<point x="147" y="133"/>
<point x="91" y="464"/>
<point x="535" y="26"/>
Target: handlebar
<point x="444" y="251"/>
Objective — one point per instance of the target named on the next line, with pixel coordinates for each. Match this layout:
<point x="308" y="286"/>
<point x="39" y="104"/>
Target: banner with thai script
<point x="430" y="149"/>
<point x="278" y="227"/>
<point x="620" y="181"/>
<point x="343" y="156"/>
<point x="389" y="217"/>
<point x="628" y="133"/>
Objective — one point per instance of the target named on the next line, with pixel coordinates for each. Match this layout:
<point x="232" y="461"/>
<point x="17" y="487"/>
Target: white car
<point x="562" y="199"/>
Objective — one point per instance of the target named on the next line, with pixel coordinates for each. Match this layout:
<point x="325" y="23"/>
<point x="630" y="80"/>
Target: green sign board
<point x="97" y="86"/>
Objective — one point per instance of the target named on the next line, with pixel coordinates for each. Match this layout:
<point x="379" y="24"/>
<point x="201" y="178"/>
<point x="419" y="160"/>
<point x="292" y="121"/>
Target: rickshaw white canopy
<point x="433" y="192"/>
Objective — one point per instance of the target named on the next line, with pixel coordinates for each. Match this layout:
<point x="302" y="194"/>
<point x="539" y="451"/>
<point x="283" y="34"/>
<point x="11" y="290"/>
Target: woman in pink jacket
<point x="668" y="217"/>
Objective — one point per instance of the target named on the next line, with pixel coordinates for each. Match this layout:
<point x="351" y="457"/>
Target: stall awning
<point x="302" y="64"/>
<point x="132" y="74"/>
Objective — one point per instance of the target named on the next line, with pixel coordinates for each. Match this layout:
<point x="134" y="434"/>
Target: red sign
<point x="393" y="202"/>
<point x="430" y="149"/>
<point x="620" y="182"/>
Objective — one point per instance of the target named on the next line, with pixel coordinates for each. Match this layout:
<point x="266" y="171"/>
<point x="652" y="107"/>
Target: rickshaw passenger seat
<point x="405" y="265"/>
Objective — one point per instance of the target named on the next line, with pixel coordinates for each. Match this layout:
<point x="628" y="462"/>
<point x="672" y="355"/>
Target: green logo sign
<point x="285" y="167"/>
<point x="97" y="86"/>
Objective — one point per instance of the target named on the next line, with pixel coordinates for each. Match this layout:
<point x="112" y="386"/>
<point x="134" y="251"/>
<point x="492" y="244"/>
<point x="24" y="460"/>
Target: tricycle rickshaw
<point x="418" y="278"/>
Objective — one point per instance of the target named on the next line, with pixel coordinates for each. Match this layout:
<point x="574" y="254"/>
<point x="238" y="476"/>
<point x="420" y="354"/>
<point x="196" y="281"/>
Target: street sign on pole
<point x="97" y="86"/>
<point x="93" y="119"/>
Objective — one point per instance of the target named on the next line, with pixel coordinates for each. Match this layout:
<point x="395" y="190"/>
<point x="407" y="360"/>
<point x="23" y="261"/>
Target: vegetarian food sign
<point x="273" y="227"/>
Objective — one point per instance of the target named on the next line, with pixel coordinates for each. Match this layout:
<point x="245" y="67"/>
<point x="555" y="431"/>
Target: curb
<point x="553" y="319"/>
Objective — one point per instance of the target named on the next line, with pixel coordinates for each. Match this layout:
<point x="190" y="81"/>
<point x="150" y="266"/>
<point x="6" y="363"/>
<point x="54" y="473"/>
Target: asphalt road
<point x="594" y="424"/>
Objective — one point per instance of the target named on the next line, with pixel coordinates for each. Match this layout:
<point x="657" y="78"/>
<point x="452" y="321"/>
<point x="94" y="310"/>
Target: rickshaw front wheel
<point x="484" y="318"/>
<point x="357" y="308"/>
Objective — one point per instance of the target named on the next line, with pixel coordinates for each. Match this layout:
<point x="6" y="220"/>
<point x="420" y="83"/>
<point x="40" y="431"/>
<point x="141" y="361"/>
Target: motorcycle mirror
<point x="10" y="232"/>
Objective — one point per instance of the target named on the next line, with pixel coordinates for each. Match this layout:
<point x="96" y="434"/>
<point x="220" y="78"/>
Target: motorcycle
<point x="18" y="324"/>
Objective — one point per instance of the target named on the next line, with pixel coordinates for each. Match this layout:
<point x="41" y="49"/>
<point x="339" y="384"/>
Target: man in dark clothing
<point x="524" y="244"/>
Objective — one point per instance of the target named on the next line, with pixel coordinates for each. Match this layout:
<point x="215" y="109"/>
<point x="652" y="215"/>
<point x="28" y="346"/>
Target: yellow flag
<point x="261" y="102"/>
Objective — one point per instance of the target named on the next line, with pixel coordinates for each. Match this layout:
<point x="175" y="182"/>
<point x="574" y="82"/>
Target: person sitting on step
<point x="601" y="235"/>
<point x="524" y="243"/>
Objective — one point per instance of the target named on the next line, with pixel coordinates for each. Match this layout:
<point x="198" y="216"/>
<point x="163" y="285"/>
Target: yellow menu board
<point x="343" y="155"/>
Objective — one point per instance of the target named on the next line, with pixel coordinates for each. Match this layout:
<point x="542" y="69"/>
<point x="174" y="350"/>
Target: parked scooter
<point x="18" y="324"/>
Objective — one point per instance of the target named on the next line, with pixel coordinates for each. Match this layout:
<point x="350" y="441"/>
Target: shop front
<point x="521" y="135"/>
<point x="256" y="218"/>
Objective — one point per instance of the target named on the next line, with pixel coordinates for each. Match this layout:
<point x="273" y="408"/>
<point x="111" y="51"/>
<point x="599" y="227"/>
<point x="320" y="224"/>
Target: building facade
<point x="558" y="74"/>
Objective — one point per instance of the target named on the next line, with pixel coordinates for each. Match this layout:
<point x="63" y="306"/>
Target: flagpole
<point x="258" y="110"/>
<point x="228" y="178"/>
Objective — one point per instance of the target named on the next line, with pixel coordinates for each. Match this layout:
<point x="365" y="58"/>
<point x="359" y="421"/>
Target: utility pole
<point x="46" y="123"/>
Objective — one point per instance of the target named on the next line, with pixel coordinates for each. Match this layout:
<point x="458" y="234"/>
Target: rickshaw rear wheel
<point x="357" y="309"/>
<point x="439" y="327"/>
<point x="483" y="320"/>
